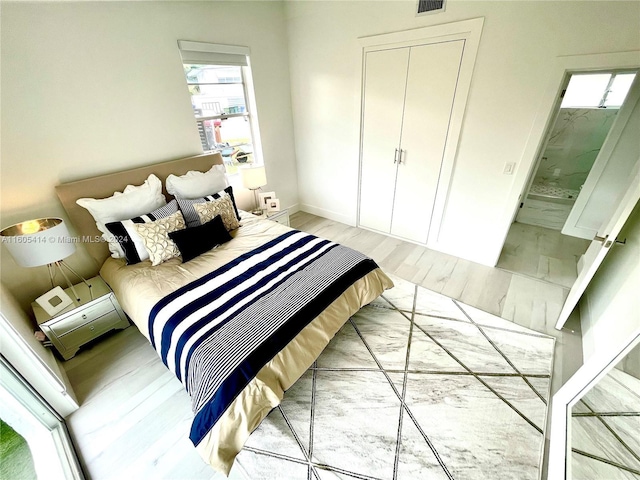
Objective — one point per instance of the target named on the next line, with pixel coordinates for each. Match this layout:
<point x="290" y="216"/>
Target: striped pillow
<point x="189" y="211"/>
<point x="126" y="238"/>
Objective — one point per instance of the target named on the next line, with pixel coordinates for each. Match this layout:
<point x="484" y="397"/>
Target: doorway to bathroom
<point x="544" y="241"/>
<point x="588" y="110"/>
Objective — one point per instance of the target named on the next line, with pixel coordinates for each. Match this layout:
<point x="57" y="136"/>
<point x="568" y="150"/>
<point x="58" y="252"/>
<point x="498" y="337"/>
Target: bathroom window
<point x="597" y="90"/>
<point x="620" y="86"/>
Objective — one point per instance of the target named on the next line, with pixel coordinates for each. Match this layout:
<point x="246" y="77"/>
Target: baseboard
<point x="329" y="214"/>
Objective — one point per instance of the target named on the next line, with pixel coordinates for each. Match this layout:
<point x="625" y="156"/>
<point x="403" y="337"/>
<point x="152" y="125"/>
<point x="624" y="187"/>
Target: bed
<point x="240" y="323"/>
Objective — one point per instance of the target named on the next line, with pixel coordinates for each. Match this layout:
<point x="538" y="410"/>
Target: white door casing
<point x="543" y="148"/>
<point x="430" y="93"/>
<point x="597" y="199"/>
<point x="468" y="31"/>
<point x="42" y="427"/>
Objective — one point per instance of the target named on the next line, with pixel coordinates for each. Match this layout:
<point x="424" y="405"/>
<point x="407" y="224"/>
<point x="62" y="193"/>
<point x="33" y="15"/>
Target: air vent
<point x="430" y="6"/>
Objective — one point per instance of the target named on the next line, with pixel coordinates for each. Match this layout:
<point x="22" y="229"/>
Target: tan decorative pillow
<point x="223" y="206"/>
<point x="155" y="236"/>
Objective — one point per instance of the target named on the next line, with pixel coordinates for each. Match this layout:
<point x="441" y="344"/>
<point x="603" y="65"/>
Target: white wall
<point x="96" y="87"/>
<point x="518" y="48"/>
<point x="631" y="363"/>
<point x="30" y="358"/>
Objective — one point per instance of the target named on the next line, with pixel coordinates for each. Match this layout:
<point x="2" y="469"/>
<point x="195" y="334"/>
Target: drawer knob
<point x="92" y="327"/>
<point x="84" y="317"/>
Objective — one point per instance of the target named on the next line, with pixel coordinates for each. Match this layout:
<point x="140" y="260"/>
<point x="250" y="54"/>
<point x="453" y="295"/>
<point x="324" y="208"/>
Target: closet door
<point x="384" y="88"/>
<point x="430" y="93"/>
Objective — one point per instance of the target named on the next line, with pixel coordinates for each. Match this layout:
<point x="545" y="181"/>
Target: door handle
<point x="395" y="157"/>
<point x="607" y="243"/>
<point x="402" y="152"/>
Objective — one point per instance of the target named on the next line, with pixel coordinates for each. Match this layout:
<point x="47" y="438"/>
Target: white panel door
<point x="601" y="191"/>
<point x="431" y="87"/>
<point x="599" y="249"/>
<point x="384" y="87"/>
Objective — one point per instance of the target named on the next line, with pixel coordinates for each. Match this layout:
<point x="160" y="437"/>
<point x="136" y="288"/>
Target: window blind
<point x="213" y="53"/>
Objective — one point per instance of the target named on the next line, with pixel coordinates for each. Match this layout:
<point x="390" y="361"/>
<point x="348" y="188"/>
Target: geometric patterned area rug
<point x="414" y="386"/>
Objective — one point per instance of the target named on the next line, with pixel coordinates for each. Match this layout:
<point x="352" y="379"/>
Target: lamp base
<point x="61" y="264"/>
<point x="257" y="210"/>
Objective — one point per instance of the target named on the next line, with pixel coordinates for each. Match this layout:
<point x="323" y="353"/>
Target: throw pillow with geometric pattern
<point x="155" y="236"/>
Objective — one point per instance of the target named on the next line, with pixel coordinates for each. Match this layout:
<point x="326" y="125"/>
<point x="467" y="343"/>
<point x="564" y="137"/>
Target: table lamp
<point x="43" y="241"/>
<point x="253" y="178"/>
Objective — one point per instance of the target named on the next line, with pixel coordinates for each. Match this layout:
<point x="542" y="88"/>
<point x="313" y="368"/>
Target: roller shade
<point x="213" y="53"/>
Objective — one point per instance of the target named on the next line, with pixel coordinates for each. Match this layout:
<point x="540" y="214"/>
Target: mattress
<point x="140" y="288"/>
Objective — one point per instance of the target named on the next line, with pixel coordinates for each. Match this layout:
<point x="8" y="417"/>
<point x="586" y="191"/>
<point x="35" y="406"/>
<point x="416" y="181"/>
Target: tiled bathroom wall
<point x="575" y="141"/>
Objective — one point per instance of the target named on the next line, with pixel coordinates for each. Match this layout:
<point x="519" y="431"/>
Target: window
<point x="597" y="90"/>
<point x="218" y="79"/>
<point x="619" y="88"/>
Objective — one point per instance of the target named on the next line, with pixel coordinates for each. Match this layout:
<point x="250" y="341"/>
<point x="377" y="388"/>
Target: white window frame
<point x="54" y="456"/>
<point x="200" y="53"/>
<point x="607" y="90"/>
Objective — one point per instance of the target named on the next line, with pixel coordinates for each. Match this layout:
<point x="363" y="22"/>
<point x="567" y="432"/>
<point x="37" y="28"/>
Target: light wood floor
<point x="529" y="302"/>
<point x="135" y="413"/>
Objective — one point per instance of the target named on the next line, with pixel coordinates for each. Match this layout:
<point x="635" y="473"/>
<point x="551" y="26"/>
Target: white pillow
<point x="194" y="184"/>
<point x="133" y="202"/>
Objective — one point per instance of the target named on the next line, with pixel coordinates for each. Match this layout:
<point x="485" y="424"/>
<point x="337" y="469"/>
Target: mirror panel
<point x="605" y="425"/>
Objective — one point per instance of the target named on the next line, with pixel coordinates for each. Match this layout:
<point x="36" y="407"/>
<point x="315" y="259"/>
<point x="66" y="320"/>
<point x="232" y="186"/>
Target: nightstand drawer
<point x="280" y="217"/>
<point x="81" y="316"/>
<point x="284" y="220"/>
<point x="90" y="330"/>
<point x="96" y="312"/>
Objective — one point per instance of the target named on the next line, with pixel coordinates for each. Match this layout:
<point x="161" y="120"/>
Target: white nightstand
<point x="97" y="312"/>
<point x="281" y="217"/>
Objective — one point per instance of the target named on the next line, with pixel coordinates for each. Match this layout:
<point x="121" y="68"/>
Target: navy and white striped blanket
<point x="217" y="332"/>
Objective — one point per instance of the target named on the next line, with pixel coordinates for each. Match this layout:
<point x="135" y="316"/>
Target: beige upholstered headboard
<point x="104" y="185"/>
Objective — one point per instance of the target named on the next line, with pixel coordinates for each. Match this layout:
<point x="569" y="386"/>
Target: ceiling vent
<point x="430" y="6"/>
